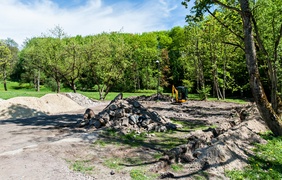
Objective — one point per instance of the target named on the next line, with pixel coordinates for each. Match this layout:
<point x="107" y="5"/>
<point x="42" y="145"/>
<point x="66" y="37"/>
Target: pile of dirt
<point x="154" y="97"/>
<point x="82" y="100"/>
<point x="25" y="107"/>
<point x="127" y="115"/>
<point x="216" y="150"/>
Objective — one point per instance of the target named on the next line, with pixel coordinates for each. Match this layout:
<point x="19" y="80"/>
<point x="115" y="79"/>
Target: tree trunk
<point x="72" y="85"/>
<point x="4" y="79"/>
<point x="58" y="86"/>
<point x="38" y="82"/>
<point x="268" y="114"/>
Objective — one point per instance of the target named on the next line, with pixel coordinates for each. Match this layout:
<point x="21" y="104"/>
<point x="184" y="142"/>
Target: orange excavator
<point x="181" y="93"/>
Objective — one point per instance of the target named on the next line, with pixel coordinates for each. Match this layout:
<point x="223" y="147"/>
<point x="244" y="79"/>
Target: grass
<point x="100" y="142"/>
<point x="138" y="174"/>
<point x="16" y="89"/>
<point x="265" y="164"/>
<point x="133" y="160"/>
<point x="189" y="126"/>
<point x="177" y="167"/>
<point x="113" y="163"/>
<point x="81" y="166"/>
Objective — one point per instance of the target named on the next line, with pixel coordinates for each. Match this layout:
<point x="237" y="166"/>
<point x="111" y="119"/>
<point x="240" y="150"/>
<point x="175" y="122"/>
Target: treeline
<point x="207" y="57"/>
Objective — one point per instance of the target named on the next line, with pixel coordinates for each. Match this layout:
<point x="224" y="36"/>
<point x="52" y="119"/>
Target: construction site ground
<point x="40" y="140"/>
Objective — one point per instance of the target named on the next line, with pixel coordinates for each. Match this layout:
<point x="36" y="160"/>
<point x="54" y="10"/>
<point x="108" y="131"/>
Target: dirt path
<point x="39" y="147"/>
<point x="44" y="147"/>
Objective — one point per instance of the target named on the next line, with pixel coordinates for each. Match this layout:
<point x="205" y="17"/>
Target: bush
<point x="51" y="84"/>
<point x="204" y="93"/>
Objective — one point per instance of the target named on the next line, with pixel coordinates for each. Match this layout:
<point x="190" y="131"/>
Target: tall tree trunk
<point x="58" y="86"/>
<point x="268" y="114"/>
<point x="4" y="79"/>
<point x="38" y="81"/>
<point x="73" y="86"/>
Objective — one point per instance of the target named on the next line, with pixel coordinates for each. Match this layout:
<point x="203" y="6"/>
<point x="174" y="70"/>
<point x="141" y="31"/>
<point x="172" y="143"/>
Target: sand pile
<point x="23" y="107"/>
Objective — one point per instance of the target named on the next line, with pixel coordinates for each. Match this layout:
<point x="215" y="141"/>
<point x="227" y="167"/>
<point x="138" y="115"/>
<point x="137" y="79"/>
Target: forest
<point x="207" y="56"/>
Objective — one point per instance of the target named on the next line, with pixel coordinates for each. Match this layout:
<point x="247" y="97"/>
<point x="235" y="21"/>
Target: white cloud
<point x="34" y="17"/>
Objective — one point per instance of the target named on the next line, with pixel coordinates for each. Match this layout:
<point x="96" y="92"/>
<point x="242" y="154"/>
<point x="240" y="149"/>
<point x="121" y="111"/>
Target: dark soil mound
<point x="154" y="97"/>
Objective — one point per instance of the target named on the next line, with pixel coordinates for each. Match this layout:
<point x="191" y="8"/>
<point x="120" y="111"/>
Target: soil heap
<point x="25" y="107"/>
<point x="215" y="150"/>
<point x="154" y="97"/>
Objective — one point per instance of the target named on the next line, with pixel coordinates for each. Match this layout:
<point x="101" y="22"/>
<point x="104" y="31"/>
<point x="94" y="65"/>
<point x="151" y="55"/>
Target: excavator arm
<point x="181" y="94"/>
<point x="174" y="91"/>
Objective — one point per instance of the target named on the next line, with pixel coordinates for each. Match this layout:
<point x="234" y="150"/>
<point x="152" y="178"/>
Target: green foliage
<point x="51" y="84"/>
<point x="197" y="55"/>
<point x="265" y="164"/>
<point x="204" y="92"/>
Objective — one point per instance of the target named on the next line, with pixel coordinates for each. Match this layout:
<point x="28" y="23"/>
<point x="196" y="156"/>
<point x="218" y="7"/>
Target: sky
<point x="24" y="19"/>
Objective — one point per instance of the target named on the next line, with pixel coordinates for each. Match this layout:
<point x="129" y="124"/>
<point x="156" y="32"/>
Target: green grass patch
<point x="82" y="166"/>
<point x="167" y="141"/>
<point x="115" y="137"/>
<point x="157" y="156"/>
<point x="265" y="164"/>
<point x="231" y="100"/>
<point x="113" y="163"/>
<point x="100" y="142"/>
<point x="191" y="125"/>
<point x="177" y="167"/>
<point x="16" y="89"/>
<point x="133" y="160"/>
<point x="139" y="174"/>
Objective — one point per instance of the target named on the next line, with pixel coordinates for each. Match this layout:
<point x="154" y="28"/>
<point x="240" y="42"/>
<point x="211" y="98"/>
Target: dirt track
<point x="41" y="147"/>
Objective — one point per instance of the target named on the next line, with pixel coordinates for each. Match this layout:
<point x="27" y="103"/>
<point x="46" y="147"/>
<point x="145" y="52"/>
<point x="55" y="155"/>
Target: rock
<point x="119" y="113"/>
<point x="89" y="114"/>
<point x="136" y="104"/>
<point x="133" y="119"/>
<point x="97" y="124"/>
<point x="113" y="107"/>
<point x="112" y="113"/>
<point x="151" y="127"/>
<point x="125" y="121"/>
<point x="171" y="126"/>
<point x="105" y="116"/>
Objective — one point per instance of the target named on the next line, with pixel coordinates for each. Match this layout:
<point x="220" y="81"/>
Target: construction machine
<point x="181" y="93"/>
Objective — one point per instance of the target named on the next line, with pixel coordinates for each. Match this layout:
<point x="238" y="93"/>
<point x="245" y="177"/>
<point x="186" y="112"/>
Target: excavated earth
<point x="41" y="138"/>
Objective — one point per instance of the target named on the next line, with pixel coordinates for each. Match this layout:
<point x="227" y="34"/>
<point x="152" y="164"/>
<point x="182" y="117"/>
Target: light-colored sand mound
<point x="23" y="107"/>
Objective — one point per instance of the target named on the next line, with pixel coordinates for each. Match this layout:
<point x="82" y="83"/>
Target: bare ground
<point x="40" y="140"/>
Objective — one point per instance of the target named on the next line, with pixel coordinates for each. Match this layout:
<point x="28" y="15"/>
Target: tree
<point x="31" y="58"/>
<point x="73" y="61"/>
<point x="5" y="57"/>
<point x="270" y="115"/>
<point x="53" y="51"/>
<point x="106" y="59"/>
